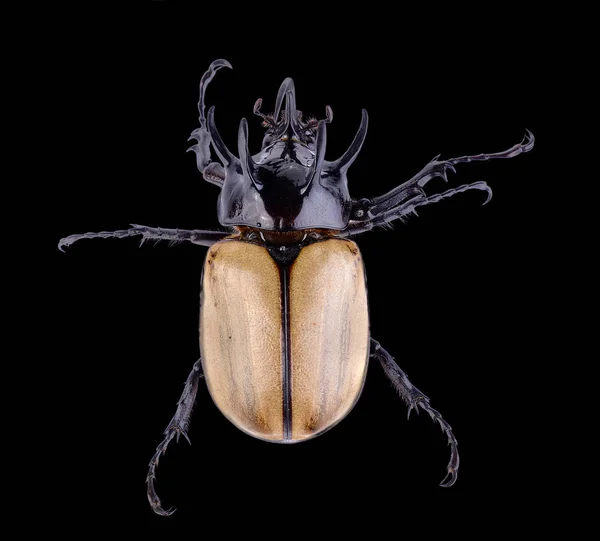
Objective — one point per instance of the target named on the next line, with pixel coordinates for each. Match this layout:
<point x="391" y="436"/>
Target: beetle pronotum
<point x="286" y="266"/>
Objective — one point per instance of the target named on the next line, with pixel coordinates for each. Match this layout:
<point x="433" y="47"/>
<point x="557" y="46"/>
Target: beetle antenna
<point x="267" y="119"/>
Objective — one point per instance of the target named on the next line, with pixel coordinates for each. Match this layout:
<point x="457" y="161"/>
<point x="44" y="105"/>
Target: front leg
<point x="197" y="236"/>
<point x="415" y="399"/>
<point x="403" y="200"/>
<point x="213" y="172"/>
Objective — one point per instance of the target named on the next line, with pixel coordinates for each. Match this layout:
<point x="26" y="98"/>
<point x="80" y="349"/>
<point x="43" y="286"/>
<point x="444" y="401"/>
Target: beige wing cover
<point x="282" y="374"/>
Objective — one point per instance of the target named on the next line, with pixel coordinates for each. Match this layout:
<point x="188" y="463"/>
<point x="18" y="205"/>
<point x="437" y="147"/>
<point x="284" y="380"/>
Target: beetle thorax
<point x="288" y="185"/>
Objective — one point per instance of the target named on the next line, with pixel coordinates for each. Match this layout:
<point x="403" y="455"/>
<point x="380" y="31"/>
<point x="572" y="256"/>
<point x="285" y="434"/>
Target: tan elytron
<point x="240" y="336"/>
<point x="248" y="347"/>
<point x="329" y="329"/>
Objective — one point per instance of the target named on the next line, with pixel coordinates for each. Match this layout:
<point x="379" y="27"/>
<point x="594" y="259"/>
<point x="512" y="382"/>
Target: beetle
<point x="284" y="320"/>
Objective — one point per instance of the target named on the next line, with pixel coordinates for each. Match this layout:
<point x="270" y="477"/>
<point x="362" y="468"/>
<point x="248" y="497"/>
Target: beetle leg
<point x="212" y="173"/>
<point x="410" y="207"/>
<point x="415" y="399"/>
<point x="197" y="236"/>
<point x="403" y="200"/>
<point x="178" y="426"/>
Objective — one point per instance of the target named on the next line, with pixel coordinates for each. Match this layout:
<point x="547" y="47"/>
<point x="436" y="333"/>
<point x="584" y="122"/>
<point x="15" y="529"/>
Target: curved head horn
<point x="290" y="107"/>
<point x="248" y="165"/>
<point x="320" y="146"/>
<point x="222" y="151"/>
<point x="286" y="87"/>
<point x="346" y="160"/>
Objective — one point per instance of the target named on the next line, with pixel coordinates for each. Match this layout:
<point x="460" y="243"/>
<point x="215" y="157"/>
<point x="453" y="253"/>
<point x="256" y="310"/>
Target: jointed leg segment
<point x="404" y="199"/>
<point x="415" y="399"/>
<point x="178" y="426"/>
<point x="196" y="236"/>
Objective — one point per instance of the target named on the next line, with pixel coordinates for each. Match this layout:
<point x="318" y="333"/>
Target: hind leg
<point x="178" y="426"/>
<point x="415" y="399"/>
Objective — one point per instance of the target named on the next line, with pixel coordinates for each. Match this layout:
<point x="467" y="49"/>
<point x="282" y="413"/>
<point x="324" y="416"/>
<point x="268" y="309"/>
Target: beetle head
<point x="288" y="185"/>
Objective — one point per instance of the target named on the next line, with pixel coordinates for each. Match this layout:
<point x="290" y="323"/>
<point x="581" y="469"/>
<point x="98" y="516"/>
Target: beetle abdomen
<point x="284" y="349"/>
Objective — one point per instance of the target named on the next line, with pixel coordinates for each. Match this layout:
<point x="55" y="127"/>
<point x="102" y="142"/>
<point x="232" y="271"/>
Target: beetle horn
<point x="286" y="88"/>
<point x="349" y="156"/>
<point x="320" y="145"/>
<point x="248" y="165"/>
<point x="222" y="151"/>
<point x="290" y="108"/>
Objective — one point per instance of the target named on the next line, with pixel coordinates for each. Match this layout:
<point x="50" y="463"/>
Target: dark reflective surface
<point x="285" y="202"/>
<point x="288" y="185"/>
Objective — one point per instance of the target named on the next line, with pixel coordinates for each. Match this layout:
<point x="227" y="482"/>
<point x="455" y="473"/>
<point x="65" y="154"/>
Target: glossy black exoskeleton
<point x="284" y="198"/>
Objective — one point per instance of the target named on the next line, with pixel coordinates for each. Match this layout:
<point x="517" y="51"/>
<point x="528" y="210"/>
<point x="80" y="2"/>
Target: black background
<point x="453" y="293"/>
